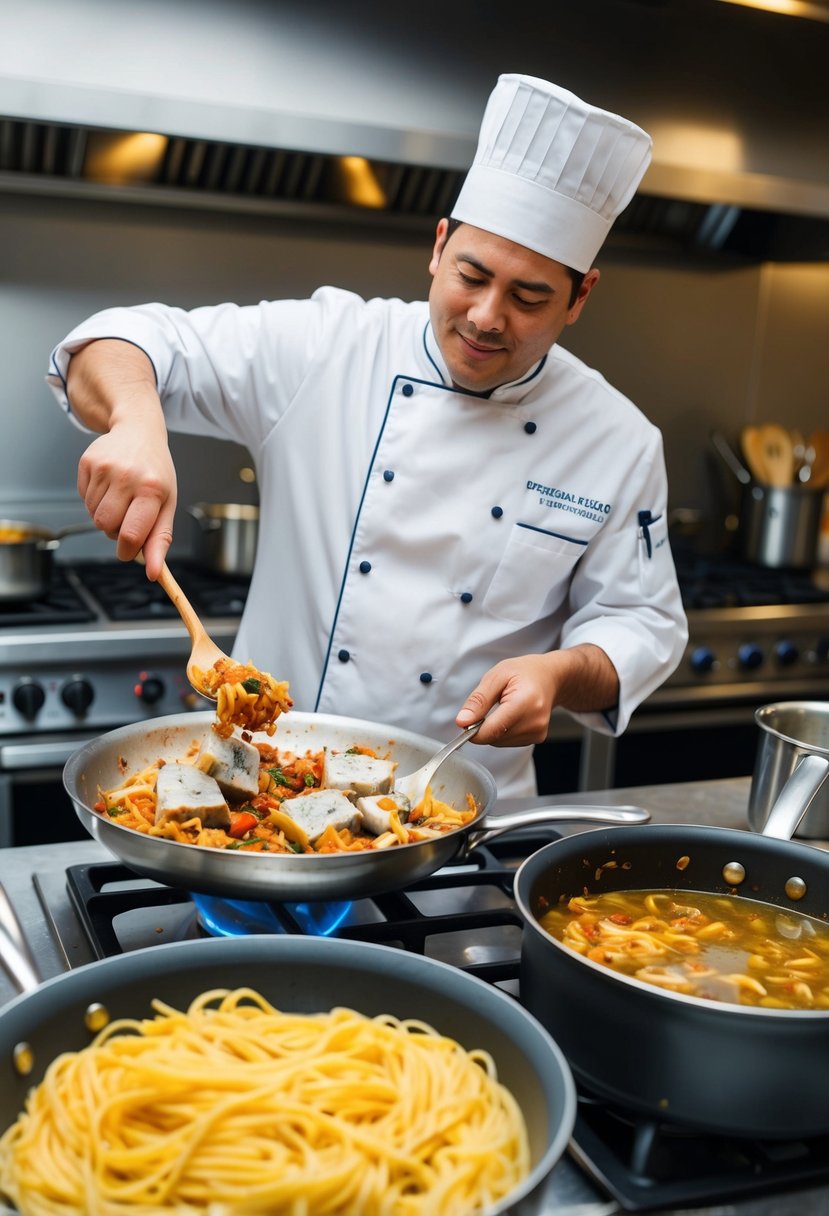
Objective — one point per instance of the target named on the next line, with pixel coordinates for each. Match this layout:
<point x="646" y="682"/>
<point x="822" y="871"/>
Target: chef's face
<point x="497" y="307"/>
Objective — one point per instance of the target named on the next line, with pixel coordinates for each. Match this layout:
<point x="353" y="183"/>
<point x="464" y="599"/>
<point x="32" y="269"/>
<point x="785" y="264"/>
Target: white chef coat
<point x="412" y="535"/>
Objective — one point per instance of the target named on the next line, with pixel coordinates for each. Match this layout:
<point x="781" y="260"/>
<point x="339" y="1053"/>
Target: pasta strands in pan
<point x="232" y="1107"/>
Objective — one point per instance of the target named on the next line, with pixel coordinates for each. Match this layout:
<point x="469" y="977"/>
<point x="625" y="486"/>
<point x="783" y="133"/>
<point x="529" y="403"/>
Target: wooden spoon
<point x="204" y="653"/>
<point x="754" y="453"/>
<point x="778" y="454"/>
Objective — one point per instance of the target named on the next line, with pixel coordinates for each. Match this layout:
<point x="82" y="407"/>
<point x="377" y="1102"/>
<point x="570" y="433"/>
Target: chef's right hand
<point x="126" y="477"/>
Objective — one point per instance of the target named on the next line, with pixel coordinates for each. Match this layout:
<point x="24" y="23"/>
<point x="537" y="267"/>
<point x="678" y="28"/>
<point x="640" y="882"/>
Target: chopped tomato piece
<point x="241" y="822"/>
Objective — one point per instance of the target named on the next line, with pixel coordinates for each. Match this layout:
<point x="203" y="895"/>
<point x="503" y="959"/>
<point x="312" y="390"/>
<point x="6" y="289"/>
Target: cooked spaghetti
<point x="234" y="1107"/>
<point x="719" y="947"/>
<point x="245" y="696"/>
<point x="263" y="824"/>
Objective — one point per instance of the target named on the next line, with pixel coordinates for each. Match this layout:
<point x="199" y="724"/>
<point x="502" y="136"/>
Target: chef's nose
<point x="487" y="312"/>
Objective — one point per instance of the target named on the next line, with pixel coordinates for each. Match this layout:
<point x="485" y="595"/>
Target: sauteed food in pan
<point x="232" y="1104"/>
<point x="719" y="947"/>
<point x="245" y="697"/>
<point x="232" y="793"/>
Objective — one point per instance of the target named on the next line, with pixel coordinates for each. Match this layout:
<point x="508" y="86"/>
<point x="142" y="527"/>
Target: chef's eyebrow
<point x="524" y="284"/>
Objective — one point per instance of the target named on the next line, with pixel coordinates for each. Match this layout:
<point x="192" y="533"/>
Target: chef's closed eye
<point x="535" y="564"/>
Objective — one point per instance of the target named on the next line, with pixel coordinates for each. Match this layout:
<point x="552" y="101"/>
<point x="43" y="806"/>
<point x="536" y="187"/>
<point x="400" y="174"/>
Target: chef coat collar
<point x="512" y="391"/>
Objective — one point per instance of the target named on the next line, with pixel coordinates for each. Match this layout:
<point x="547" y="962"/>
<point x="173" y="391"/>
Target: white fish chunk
<point x="315" y="811"/>
<point x="362" y="775"/>
<point x="184" y="792"/>
<point x="376" y="811"/>
<point x="232" y="763"/>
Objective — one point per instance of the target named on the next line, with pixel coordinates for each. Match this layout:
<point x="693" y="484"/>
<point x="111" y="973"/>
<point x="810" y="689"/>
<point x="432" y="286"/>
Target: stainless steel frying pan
<point x="104" y="762"/>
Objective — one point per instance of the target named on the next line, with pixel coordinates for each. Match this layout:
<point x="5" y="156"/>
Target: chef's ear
<point x="587" y="284"/>
<point x="440" y="240"/>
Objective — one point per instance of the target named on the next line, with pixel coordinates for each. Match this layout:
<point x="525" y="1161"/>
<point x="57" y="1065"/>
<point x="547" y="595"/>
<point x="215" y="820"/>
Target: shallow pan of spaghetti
<point x="233" y="1077"/>
<point x="262" y="855"/>
<point x="684" y="970"/>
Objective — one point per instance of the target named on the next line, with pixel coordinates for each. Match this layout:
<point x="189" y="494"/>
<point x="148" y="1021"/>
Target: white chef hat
<point x="551" y="172"/>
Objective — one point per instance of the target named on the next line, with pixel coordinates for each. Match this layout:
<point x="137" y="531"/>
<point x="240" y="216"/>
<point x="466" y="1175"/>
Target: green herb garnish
<point x="251" y="684"/>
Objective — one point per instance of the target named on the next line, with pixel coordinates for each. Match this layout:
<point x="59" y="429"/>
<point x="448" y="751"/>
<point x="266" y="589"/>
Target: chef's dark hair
<point x="576" y="276"/>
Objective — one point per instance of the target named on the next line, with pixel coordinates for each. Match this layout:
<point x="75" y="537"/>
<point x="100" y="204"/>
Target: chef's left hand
<point x="525" y="690"/>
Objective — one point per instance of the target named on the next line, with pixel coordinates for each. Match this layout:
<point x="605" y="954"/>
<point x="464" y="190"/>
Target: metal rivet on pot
<point x="795" y="888"/>
<point x="734" y="872"/>
<point x="96" y="1017"/>
<point x="23" y="1058"/>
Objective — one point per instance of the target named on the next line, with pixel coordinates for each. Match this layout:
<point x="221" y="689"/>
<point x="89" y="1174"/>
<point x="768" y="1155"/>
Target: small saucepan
<point x="737" y="1070"/>
<point x="226" y="537"/>
<point x="26" y="552"/>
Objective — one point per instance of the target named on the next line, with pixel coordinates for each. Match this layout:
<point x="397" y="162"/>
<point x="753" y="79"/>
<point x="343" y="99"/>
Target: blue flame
<point x="239" y="918"/>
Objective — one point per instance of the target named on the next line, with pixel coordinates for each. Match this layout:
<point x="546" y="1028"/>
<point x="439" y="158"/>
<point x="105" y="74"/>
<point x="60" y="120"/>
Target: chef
<point x="458" y="517"/>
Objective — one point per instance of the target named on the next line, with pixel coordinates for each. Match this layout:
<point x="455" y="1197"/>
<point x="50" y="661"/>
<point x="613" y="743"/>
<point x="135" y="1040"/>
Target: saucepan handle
<point x="496" y="825"/>
<point x="15" y="955"/>
<point x="796" y="796"/>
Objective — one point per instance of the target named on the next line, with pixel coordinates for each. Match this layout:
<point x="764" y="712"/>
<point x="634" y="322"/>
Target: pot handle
<point x="496" y="825"/>
<point x="796" y="796"/>
<point x="207" y="523"/>
<point x="15" y="955"/>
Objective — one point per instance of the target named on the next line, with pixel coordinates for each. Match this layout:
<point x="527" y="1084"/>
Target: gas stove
<point x="464" y="915"/>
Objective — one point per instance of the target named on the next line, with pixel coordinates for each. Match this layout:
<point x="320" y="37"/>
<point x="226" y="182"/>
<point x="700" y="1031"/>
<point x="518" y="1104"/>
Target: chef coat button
<point x="497" y="512"/>
<point x="343" y="656"/>
<point x="426" y="677"/>
<point x="530" y="428"/>
<point x="388" y="475"/>
<point x="408" y="389"/>
<point x="365" y="567"/>
<point x="466" y="597"/>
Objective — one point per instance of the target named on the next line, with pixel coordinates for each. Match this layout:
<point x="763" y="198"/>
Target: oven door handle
<point x="44" y="753"/>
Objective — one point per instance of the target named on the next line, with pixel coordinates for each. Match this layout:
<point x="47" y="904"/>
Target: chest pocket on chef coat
<point x="534" y="566"/>
<point x="651" y="543"/>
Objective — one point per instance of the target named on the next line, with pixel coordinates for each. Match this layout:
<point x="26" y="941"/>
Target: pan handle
<point x="15" y="955"/>
<point x="496" y="825"/>
<point x="796" y="797"/>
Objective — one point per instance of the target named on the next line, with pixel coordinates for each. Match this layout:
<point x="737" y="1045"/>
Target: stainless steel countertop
<point x="707" y="803"/>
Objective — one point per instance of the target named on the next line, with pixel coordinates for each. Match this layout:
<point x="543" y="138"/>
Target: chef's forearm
<point x="109" y="380"/>
<point x="586" y="680"/>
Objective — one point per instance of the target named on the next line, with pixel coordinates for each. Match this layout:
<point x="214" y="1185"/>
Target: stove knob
<point x="149" y="689"/>
<point x="750" y="656"/>
<point x="702" y="659"/>
<point x="28" y="697"/>
<point x="787" y="653"/>
<point x="77" y="695"/>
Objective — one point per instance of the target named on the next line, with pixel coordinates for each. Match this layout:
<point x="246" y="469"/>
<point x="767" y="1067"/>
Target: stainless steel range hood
<point x="336" y="164"/>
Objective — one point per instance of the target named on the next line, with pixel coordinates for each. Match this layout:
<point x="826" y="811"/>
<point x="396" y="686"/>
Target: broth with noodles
<point x="718" y="947"/>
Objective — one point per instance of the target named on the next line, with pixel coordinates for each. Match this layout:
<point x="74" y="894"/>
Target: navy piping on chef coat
<point x="559" y="535"/>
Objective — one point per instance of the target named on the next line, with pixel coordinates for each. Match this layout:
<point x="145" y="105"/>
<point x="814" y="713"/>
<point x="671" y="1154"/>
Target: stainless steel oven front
<point x="700" y="724"/>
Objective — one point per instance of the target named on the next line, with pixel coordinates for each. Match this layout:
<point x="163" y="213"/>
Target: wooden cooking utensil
<point x="778" y="454"/>
<point x="204" y="653"/>
<point x="754" y="454"/>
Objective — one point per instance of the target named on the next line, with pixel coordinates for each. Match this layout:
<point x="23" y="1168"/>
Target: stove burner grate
<point x="60" y="604"/>
<point x="126" y="594"/>
<point x="649" y="1165"/>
